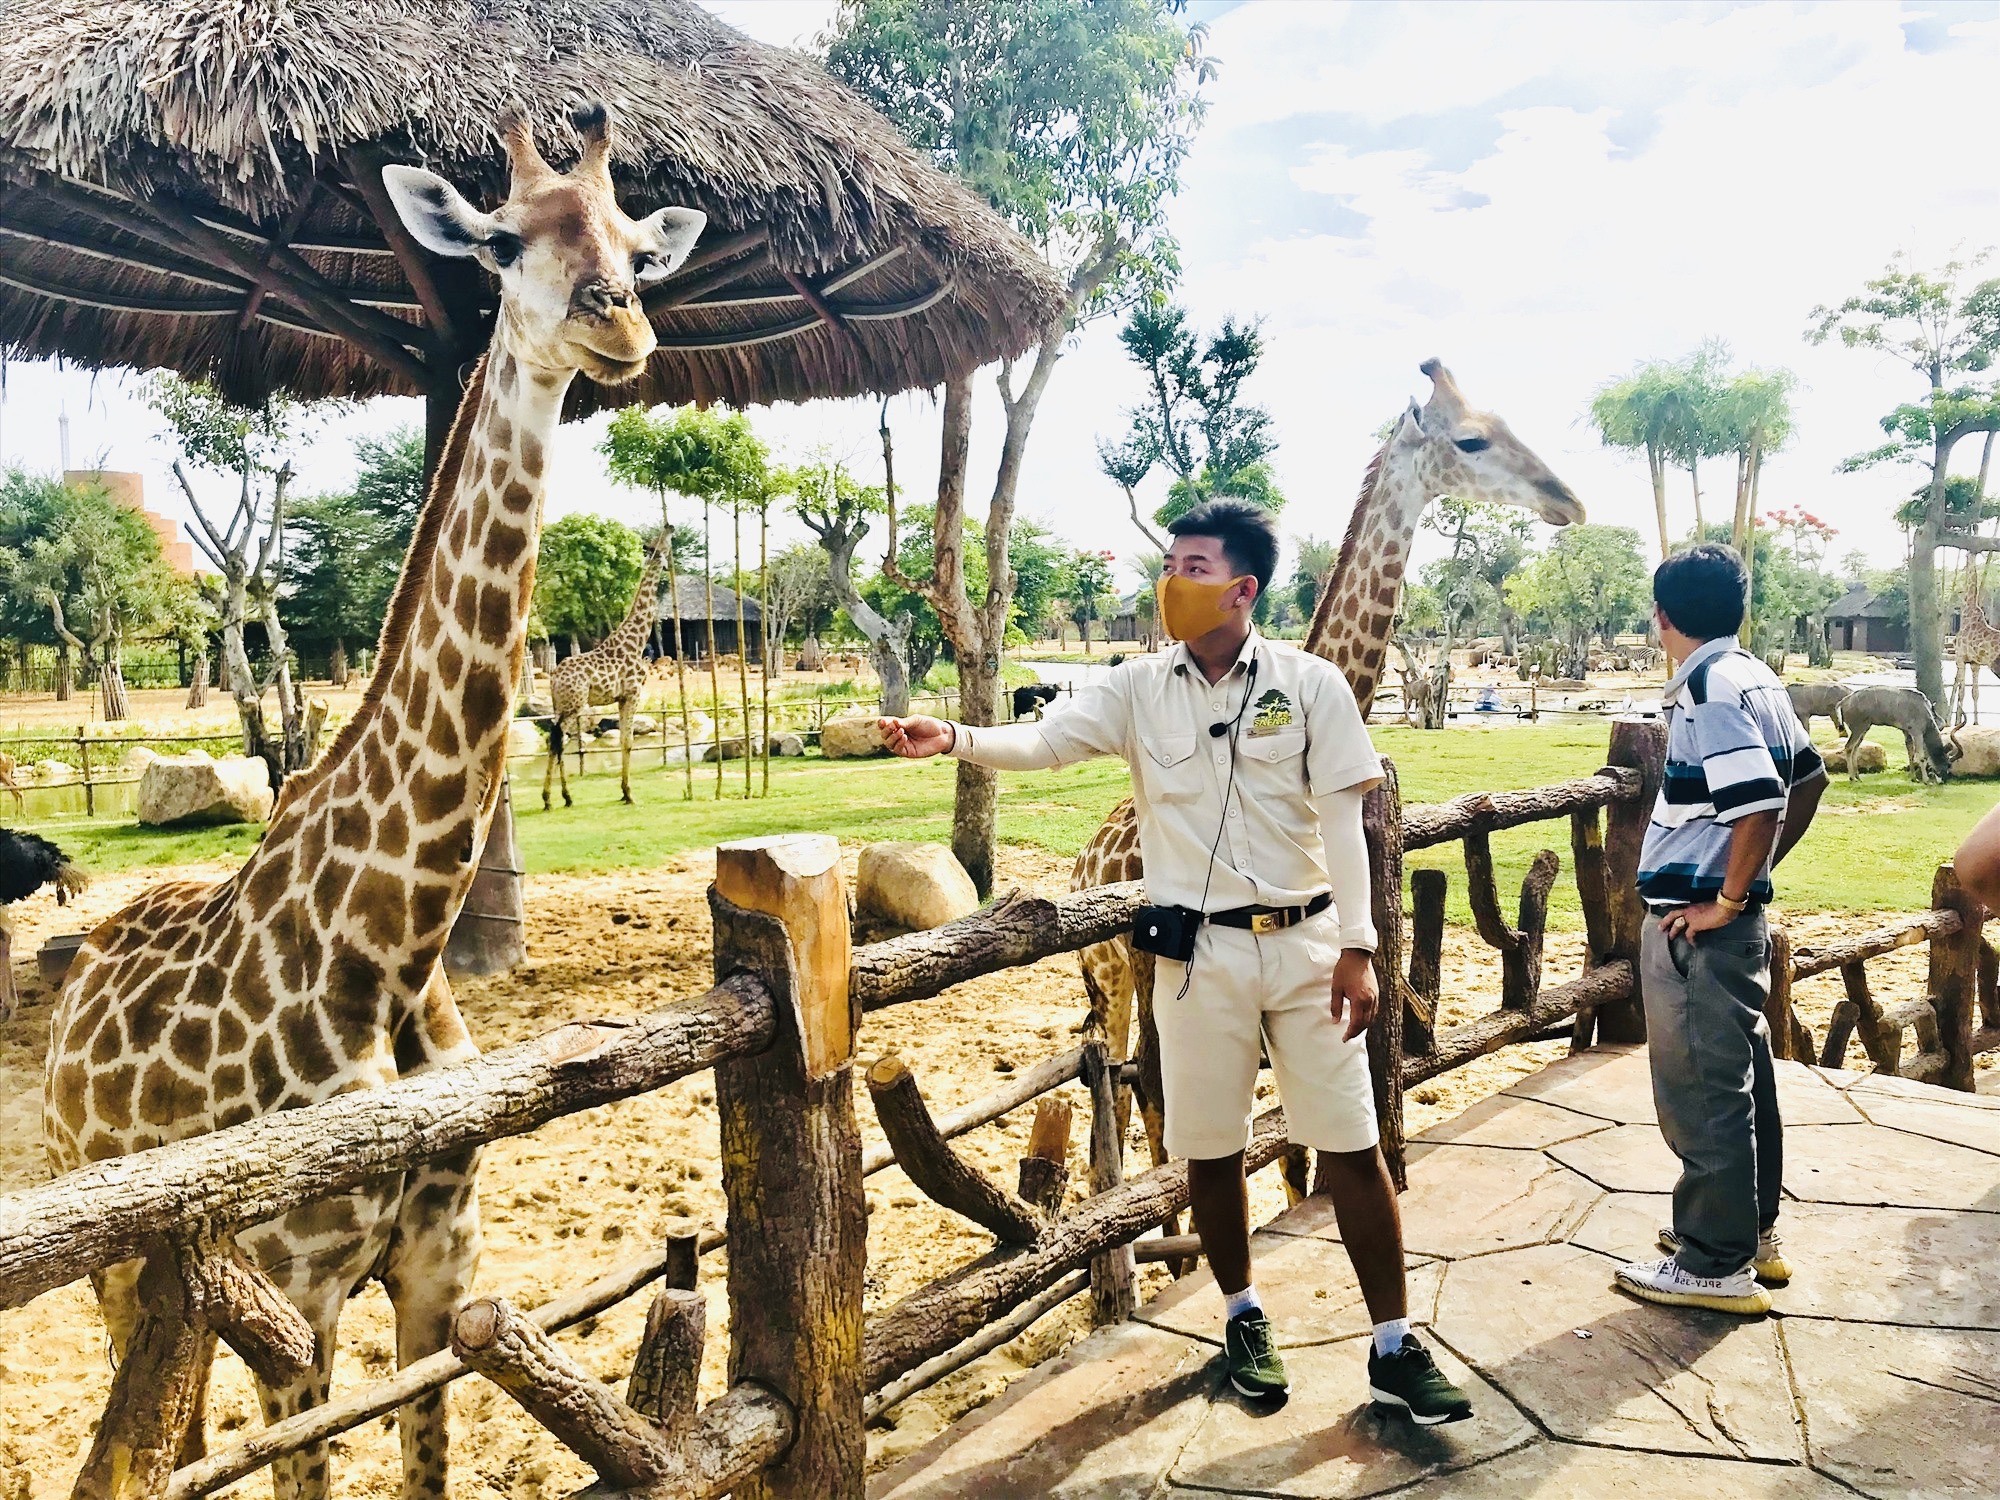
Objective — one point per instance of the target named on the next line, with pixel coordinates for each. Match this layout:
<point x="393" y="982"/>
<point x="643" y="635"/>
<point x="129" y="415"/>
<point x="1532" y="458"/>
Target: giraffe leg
<point x="562" y="768"/>
<point x="625" y="749"/>
<point x="549" y="775"/>
<point x="304" y="1475"/>
<point x="428" y="1277"/>
<point x="1856" y="732"/>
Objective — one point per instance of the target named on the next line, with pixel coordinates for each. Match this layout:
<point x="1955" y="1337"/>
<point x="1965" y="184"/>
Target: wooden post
<point x="1382" y="824"/>
<point x="154" y="1394"/>
<point x="1044" y="1171"/>
<point x="667" y="1368"/>
<point x="791" y="1161"/>
<point x="1112" y="1272"/>
<point x="1642" y="745"/>
<point x="1954" y="977"/>
<point x="1427" y="894"/>
<point x="490" y="933"/>
<point x="83" y="765"/>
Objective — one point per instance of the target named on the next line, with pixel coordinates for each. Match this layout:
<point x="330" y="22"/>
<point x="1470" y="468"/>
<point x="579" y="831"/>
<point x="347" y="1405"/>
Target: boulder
<point x="1870" y="757"/>
<point x="913" y="885"/>
<point x="851" y="735"/>
<point x="644" y="724"/>
<point x="138" y="758"/>
<point x="727" y="749"/>
<point x="182" y="789"/>
<point x="54" y="772"/>
<point x="788" y="744"/>
<point x="526" y="737"/>
<point x="1979" y="747"/>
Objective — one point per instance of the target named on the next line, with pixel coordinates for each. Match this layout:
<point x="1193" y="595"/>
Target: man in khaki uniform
<point x="1249" y="760"/>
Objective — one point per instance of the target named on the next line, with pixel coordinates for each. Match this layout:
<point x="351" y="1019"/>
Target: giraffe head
<point x="1470" y="454"/>
<point x="571" y="264"/>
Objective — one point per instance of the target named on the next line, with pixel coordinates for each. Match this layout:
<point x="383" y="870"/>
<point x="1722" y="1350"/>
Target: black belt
<point x="1263" y="919"/>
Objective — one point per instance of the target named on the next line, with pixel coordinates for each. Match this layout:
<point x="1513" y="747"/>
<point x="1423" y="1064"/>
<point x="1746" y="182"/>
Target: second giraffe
<point x="612" y="672"/>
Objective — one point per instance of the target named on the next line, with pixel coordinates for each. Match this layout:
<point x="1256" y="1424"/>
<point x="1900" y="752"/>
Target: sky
<point x="1540" y="195"/>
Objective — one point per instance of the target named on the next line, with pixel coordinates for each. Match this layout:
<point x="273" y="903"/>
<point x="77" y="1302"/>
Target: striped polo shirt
<point x="1734" y="747"/>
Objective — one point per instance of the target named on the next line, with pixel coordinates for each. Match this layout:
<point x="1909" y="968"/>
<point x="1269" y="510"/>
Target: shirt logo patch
<point x="1274" y="712"/>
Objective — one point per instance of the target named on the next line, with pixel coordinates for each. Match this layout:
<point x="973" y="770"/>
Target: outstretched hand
<point x="917" y="737"/>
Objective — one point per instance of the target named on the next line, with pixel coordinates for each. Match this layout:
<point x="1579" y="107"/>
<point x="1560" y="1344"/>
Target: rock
<point x="1566" y="685"/>
<point x="200" y="757"/>
<point x="913" y="885"/>
<point x="1980" y="751"/>
<point x="788" y="744"/>
<point x="851" y="735"/>
<point x="54" y="772"/>
<point x="1871" y="757"/>
<point x="729" y="749"/>
<point x="182" y="789"/>
<point x="525" y="737"/>
<point x="138" y="758"/>
<point x="537" y="707"/>
<point x="644" y="724"/>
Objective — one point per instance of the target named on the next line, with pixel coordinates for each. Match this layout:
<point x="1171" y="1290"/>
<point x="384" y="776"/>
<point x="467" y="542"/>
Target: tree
<point x="1126" y="464"/>
<point x="1591" y="582"/>
<point x="1086" y="589"/>
<point x="835" y="508"/>
<point x="585" y="573"/>
<point x="31" y="507"/>
<point x="1316" y="560"/>
<point x="1072" y="117"/>
<point x="1753" y="415"/>
<point x="1947" y="333"/>
<point x="253" y="448"/>
<point x="1194" y="419"/>
<point x="799" y="591"/>
<point x="1038" y="558"/>
<point x="1638" y="414"/>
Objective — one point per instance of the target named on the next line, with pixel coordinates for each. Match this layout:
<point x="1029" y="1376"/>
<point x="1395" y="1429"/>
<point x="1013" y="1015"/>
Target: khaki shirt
<point x="1301" y="738"/>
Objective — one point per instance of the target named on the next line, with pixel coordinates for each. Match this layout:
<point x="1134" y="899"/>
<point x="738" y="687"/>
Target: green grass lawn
<point x="1874" y="846"/>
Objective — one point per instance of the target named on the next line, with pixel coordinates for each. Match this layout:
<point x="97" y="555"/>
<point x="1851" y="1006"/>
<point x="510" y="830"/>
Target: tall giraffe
<point x="611" y="672"/>
<point x="1978" y="646"/>
<point x="315" y="970"/>
<point x="1441" y="448"/>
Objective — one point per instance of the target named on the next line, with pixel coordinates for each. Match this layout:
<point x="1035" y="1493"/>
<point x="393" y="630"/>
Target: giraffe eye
<point x="1471" y="444"/>
<point x="505" y="248"/>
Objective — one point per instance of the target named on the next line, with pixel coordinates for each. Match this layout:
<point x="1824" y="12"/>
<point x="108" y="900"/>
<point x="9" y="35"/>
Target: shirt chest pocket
<point x="1169" y="769"/>
<point x="1273" y="762"/>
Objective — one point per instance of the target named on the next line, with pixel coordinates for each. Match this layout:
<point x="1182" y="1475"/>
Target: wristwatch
<point x="1731" y="904"/>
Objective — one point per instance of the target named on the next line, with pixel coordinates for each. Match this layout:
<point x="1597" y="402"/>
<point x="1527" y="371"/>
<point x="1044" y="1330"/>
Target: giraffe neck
<point x="1357" y="605"/>
<point x="630" y="636"/>
<point x="399" y="804"/>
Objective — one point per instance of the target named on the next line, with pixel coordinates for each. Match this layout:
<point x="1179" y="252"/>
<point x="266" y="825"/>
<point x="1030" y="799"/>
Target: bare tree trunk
<point x="742" y="645"/>
<point x="1656" y="461"/>
<point x="65" y="673"/>
<point x="111" y="677"/>
<point x="764" y="627"/>
<point x="680" y="671"/>
<point x="336" y="666"/>
<point x="714" y="670"/>
<point x="198" y="679"/>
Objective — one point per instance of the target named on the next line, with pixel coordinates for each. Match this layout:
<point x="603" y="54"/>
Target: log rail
<point x="778" y="1029"/>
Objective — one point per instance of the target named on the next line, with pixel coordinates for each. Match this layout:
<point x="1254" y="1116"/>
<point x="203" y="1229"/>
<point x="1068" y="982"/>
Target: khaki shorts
<point x="1254" y="994"/>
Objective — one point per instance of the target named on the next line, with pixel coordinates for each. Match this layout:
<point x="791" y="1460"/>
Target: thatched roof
<point x="152" y="154"/>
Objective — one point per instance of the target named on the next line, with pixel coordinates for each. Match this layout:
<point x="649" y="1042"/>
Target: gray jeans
<point x="1713" y="1086"/>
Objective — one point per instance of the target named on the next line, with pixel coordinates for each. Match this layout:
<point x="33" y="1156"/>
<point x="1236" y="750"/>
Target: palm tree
<point x="1753" y="414"/>
<point x="1643" y="413"/>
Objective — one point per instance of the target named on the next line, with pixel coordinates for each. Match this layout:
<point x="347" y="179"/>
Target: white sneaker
<point x="1668" y="1282"/>
<point x="1768" y="1265"/>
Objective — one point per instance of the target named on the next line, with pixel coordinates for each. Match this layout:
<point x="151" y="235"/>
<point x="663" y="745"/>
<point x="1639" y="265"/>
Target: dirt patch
<point x="562" y="1205"/>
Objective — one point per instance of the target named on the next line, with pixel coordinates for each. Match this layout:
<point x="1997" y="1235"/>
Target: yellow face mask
<point x="1190" y="608"/>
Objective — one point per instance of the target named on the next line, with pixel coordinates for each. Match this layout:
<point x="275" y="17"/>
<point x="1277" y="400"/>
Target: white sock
<point x="1389" y="1336"/>
<point x="1234" y="1304"/>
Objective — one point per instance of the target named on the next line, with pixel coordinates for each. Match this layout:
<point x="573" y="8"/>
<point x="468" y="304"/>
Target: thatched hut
<point x="198" y="187"/>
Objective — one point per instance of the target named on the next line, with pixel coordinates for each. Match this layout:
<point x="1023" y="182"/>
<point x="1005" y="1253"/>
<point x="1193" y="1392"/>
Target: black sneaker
<point x="1250" y="1351"/>
<point x="1409" y="1381"/>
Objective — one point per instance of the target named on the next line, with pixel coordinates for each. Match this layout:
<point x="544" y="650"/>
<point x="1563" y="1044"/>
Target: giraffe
<point x="1978" y="646"/>
<point x="611" y="672"/>
<point x="315" y="970"/>
<point x="1443" y="447"/>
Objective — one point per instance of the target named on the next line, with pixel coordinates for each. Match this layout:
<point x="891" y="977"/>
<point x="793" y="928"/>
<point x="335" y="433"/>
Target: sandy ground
<point x="564" y="1204"/>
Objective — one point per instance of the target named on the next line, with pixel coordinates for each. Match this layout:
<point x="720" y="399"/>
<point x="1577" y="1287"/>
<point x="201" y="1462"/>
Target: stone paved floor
<point x="1879" y="1376"/>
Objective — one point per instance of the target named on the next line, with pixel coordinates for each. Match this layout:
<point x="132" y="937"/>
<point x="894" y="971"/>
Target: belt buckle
<point x="1263" y="923"/>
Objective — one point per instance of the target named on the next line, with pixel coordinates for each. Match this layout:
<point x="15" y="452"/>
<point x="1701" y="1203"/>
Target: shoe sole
<point x="1254" y="1393"/>
<point x="1770" y="1272"/>
<point x="1397" y="1406"/>
<point x="1757" y="1302"/>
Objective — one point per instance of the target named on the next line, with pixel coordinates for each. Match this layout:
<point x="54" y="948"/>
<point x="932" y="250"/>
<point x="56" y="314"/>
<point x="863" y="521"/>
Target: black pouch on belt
<point x="1168" y="931"/>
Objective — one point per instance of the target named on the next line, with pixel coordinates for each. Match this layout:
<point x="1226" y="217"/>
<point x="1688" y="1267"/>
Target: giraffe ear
<point x="668" y="237"/>
<point x="432" y="210"/>
<point x="1412" y="426"/>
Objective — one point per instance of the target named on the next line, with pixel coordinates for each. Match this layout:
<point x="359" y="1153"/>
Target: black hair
<point x="1701" y="590"/>
<point x="1248" y="535"/>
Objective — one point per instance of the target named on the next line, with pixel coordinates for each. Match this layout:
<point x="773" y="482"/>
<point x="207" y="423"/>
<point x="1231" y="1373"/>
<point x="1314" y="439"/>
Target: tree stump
<point x="1642" y="745"/>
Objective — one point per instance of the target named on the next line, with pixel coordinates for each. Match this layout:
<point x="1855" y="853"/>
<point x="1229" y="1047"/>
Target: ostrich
<point x="27" y="863"/>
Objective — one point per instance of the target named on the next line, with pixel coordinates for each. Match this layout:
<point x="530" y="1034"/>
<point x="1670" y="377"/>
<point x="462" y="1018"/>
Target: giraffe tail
<point x="552" y="727"/>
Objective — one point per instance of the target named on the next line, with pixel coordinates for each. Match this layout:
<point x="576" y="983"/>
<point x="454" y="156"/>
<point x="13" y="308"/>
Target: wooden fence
<point x="806" y="1372"/>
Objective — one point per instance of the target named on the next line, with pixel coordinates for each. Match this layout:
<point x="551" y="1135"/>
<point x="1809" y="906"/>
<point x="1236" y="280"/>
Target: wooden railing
<point x="778" y="1029"/>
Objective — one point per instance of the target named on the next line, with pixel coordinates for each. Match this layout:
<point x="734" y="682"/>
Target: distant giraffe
<point x="612" y="672"/>
<point x="1978" y="646"/>
<point x="1441" y="448"/>
<point x="315" y="970"/>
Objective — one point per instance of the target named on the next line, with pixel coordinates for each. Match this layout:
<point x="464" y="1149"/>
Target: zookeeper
<point x="1249" y="760"/>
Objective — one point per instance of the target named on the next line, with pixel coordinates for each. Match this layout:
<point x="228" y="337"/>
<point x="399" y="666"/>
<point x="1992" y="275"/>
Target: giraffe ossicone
<point x="315" y="970"/>
<point x="1443" y="447"/>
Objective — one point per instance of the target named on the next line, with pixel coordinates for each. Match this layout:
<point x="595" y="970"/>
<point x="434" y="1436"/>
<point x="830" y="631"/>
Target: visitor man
<point x="1742" y="784"/>
<point x="1249" y="762"/>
